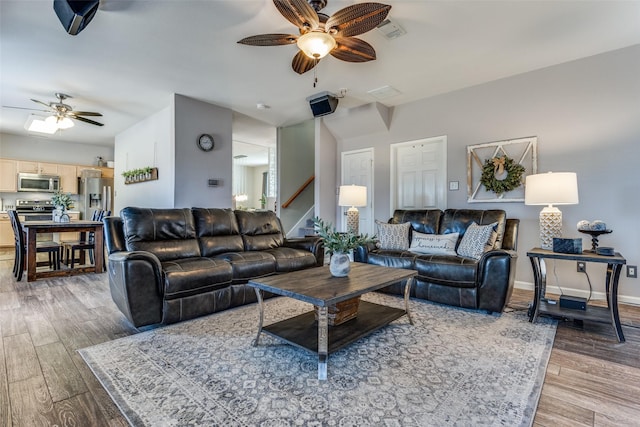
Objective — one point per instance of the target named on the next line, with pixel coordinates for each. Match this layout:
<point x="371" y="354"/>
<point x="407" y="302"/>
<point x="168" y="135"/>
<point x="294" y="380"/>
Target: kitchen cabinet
<point x="8" y="176"/>
<point x="105" y="171"/>
<point x="68" y="178"/>
<point x="6" y="232"/>
<point x="37" y="167"/>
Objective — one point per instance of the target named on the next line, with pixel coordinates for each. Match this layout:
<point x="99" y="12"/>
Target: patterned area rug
<point x="453" y="367"/>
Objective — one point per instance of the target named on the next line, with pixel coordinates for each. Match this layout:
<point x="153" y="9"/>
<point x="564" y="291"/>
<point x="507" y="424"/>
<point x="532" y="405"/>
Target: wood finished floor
<point x="591" y="380"/>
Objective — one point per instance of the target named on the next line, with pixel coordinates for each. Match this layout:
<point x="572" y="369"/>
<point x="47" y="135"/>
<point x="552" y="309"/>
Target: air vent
<point x="391" y="29"/>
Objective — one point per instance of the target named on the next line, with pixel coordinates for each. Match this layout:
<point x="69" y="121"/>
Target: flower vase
<point x="339" y="265"/>
<point x="57" y="213"/>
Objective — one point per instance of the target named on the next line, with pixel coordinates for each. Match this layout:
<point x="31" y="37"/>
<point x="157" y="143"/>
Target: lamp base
<point x="353" y="221"/>
<point x="550" y="226"/>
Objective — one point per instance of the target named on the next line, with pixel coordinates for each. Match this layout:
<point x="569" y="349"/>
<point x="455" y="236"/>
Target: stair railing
<point x="298" y="191"/>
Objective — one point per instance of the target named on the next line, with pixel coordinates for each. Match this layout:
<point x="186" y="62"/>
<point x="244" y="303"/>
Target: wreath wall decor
<point x="501" y="174"/>
<point x="496" y="171"/>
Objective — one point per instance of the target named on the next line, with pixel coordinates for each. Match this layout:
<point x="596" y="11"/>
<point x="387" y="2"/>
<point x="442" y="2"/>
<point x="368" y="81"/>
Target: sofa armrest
<point x="312" y="244"/>
<point x="135" y="282"/>
<point x="496" y="275"/>
<point x="361" y="253"/>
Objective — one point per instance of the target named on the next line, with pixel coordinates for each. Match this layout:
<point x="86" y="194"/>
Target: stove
<point x="34" y="210"/>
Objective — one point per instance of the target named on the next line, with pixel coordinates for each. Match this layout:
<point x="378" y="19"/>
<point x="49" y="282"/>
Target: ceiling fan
<point x="61" y="113"/>
<point x="321" y="34"/>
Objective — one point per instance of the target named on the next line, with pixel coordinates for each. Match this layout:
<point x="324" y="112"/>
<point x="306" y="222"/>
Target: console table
<point x="608" y="314"/>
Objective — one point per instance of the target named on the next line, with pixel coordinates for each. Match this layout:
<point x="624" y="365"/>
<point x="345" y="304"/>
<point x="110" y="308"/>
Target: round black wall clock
<point x="205" y="142"/>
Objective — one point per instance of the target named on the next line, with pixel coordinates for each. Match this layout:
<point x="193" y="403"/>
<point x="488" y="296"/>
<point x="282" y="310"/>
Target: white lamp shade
<point x="352" y="195"/>
<point x="552" y="188"/>
<point x="316" y="44"/>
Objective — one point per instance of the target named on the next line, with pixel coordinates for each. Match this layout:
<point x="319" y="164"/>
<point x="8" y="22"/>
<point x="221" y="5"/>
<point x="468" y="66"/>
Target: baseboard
<point x="578" y="293"/>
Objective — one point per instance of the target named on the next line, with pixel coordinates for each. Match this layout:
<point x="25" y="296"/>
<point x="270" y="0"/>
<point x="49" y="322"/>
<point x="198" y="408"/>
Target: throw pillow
<point x="476" y="240"/>
<point x="436" y="244"/>
<point x="393" y="236"/>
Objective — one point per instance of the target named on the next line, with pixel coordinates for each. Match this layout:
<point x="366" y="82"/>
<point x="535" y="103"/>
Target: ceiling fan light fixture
<point x="59" y="122"/>
<point x="316" y="44"/>
<point x="38" y="124"/>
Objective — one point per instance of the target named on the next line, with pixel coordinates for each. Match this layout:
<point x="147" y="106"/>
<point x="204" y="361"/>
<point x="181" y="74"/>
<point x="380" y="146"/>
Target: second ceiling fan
<point x="321" y="34"/>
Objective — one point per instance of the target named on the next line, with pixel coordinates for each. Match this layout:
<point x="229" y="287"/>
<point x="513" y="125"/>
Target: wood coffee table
<point x="316" y="286"/>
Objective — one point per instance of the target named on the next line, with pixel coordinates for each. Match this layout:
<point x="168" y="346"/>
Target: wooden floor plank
<point x="20" y="357"/>
<point x="40" y="328"/>
<point x="555" y="413"/>
<point x="12" y="323"/>
<point x="60" y="373"/>
<point x="80" y="410"/>
<point x="31" y="404"/>
<point x="5" y="408"/>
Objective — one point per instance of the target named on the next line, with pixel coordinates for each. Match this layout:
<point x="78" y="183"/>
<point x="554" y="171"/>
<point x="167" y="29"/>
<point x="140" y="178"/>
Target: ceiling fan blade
<point x="25" y="108"/>
<point x="40" y="102"/>
<point x="299" y="13"/>
<point x="356" y="19"/>
<point x="84" y="113"/>
<point x="82" y="119"/>
<point x="302" y="63"/>
<point x="269" y="40"/>
<point x="351" y="49"/>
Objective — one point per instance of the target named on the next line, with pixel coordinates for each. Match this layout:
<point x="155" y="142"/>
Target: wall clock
<point x="205" y="142"/>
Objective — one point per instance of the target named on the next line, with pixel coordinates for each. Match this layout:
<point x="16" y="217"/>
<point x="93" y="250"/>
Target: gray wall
<point x="193" y="167"/>
<point x="586" y="115"/>
<point x="295" y="166"/>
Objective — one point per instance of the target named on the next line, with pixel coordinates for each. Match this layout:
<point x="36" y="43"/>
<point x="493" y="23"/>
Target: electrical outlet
<point x="632" y="271"/>
<point x="581" y="267"/>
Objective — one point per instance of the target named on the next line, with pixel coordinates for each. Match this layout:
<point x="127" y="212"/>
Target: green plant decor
<point x="335" y="241"/>
<point x="62" y="199"/>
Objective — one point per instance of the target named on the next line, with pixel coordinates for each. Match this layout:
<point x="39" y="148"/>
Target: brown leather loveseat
<point x="169" y="265"/>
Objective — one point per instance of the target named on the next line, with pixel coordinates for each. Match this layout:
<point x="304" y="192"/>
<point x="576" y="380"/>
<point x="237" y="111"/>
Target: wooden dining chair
<point x="88" y="245"/>
<point x="50" y="247"/>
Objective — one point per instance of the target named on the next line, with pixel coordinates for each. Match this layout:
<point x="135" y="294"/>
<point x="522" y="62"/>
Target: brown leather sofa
<point x="169" y="265"/>
<point x="484" y="284"/>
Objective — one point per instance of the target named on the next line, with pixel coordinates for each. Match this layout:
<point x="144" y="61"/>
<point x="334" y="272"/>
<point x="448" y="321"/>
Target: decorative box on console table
<point x="567" y="246"/>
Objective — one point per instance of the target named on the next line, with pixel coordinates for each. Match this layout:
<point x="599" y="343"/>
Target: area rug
<point x="453" y="367"/>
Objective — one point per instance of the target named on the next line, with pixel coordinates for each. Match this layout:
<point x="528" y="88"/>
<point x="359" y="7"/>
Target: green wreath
<point x="496" y="166"/>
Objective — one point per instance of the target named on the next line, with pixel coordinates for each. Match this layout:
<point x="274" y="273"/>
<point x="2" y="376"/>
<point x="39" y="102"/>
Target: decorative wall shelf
<point x="142" y="177"/>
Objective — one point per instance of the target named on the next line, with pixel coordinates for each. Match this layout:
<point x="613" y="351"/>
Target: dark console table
<point x="608" y="314"/>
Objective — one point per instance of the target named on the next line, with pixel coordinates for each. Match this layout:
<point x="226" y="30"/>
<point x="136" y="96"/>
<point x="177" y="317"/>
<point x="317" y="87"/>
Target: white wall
<point x="50" y="150"/>
<point x="147" y="143"/>
<point x="326" y="182"/>
<point x="586" y="115"/>
<point x="194" y="167"/>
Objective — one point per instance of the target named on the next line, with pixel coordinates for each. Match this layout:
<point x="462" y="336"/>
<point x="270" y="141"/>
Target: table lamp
<point x="353" y="196"/>
<point x="559" y="188"/>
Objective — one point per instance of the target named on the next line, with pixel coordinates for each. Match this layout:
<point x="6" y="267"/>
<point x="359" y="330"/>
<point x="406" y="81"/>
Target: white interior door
<point x="419" y="174"/>
<point x="357" y="168"/>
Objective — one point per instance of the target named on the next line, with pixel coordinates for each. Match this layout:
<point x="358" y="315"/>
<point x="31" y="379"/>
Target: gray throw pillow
<point x="435" y="244"/>
<point x="476" y="240"/>
<point x="393" y="236"/>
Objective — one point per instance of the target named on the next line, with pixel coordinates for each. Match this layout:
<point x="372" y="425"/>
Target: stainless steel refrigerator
<point x="95" y="193"/>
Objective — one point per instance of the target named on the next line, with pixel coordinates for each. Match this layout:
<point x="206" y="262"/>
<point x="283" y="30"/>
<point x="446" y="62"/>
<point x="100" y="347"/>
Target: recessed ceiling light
<point x="384" y="92"/>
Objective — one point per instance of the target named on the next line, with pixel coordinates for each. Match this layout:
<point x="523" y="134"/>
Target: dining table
<point x="32" y="228"/>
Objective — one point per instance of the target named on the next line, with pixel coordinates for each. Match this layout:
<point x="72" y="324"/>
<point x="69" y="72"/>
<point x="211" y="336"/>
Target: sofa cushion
<point x="442" y="244"/>
<point x="477" y="240"/>
<point x="191" y="276"/>
<point x="447" y="270"/>
<point x="393" y="236"/>
<point x="167" y="233"/>
<point x="425" y="221"/>
<point x="386" y="258"/>
<point x="251" y="264"/>
<point x="290" y="259"/>
<point x="217" y="231"/>
<point x="260" y="230"/>
<point x="458" y="220"/>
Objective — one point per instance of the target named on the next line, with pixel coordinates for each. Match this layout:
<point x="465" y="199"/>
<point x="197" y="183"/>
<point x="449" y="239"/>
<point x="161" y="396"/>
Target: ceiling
<point x="135" y="54"/>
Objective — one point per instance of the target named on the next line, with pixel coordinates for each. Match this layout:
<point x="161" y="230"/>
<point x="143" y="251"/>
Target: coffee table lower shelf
<point x="302" y="331"/>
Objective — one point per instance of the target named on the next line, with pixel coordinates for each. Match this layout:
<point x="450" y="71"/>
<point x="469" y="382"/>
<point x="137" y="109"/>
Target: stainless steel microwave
<point x="37" y="182"/>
